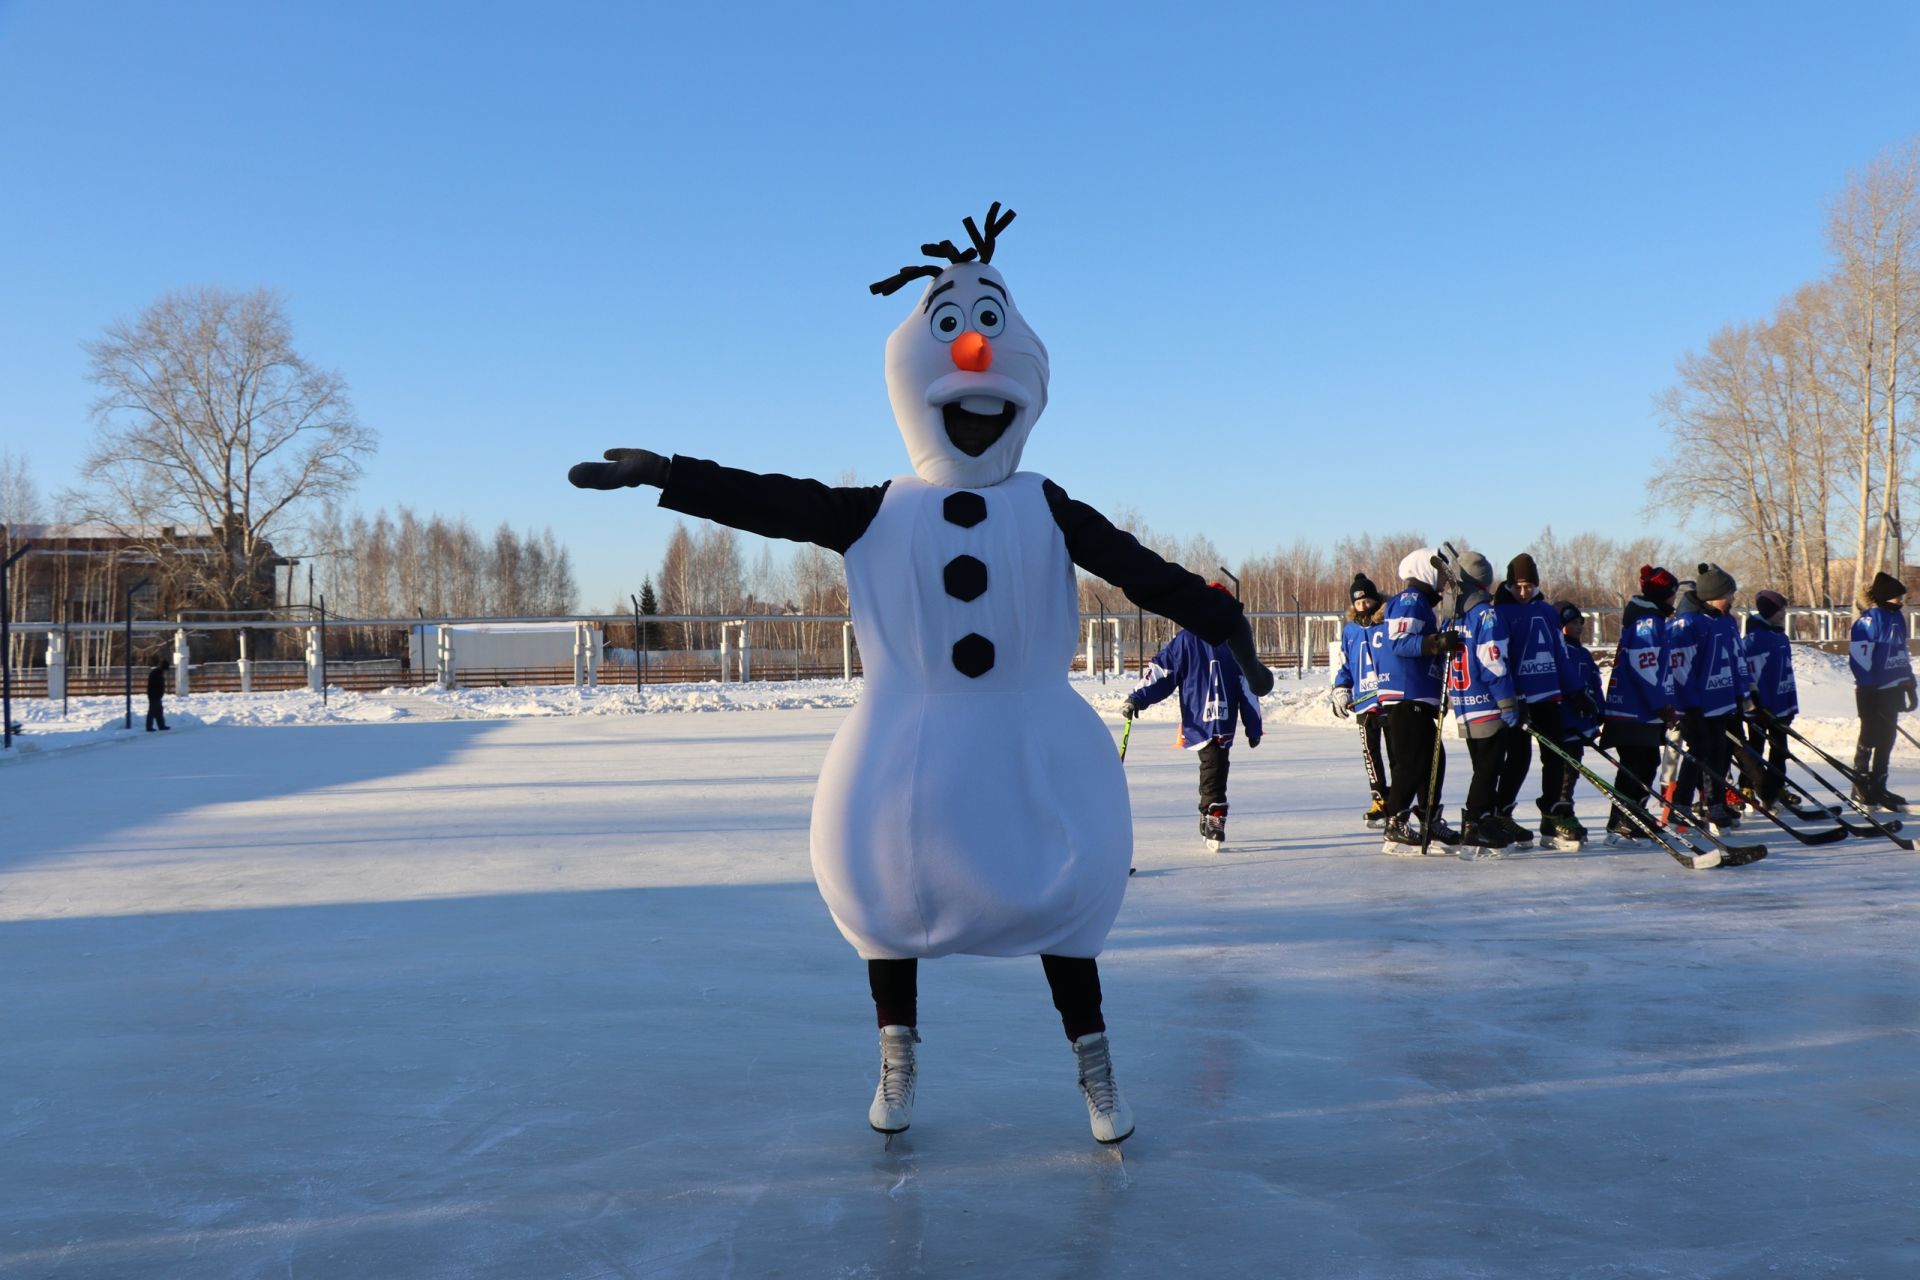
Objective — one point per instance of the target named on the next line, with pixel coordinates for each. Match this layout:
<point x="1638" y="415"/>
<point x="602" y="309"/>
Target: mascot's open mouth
<point x="973" y="425"/>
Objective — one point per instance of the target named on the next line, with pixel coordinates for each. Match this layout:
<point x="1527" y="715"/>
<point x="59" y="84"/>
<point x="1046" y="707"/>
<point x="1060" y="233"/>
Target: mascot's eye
<point x="948" y="321"/>
<point x="988" y="317"/>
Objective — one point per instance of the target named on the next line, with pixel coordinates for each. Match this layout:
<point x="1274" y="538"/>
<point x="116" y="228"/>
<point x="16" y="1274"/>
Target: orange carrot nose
<point x="972" y="352"/>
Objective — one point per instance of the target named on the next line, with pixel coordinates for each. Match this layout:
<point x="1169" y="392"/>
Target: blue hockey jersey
<point x="1585" y="676"/>
<point x="1359" y="668"/>
<point x="1479" y="675"/>
<point x="1709" y="670"/>
<point x="1642" y="679"/>
<point x="1769" y="656"/>
<point x="1407" y="674"/>
<point x="1213" y="695"/>
<point x="1877" y="650"/>
<point x="1539" y="650"/>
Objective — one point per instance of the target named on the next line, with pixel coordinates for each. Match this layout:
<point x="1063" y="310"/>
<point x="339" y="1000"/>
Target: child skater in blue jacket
<point x="1769" y="657"/>
<point x="1580" y="725"/>
<point x="1883" y="686"/>
<point x="1213" y="700"/>
<point x="1356" y="687"/>
<point x="1486" y="703"/>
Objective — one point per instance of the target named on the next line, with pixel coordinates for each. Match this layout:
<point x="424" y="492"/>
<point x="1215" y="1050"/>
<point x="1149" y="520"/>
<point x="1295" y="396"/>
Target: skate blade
<point x="1213" y="846"/>
<point x="1394" y="849"/>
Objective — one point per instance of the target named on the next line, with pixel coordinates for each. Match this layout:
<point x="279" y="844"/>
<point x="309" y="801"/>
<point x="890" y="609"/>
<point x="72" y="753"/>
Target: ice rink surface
<point x="556" y="998"/>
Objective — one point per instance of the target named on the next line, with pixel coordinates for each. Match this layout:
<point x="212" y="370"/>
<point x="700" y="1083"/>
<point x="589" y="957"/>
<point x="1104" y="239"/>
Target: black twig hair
<point x="982" y="250"/>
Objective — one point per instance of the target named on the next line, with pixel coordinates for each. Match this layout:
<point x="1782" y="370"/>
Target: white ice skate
<point x="1107" y="1111"/>
<point x="892" y="1109"/>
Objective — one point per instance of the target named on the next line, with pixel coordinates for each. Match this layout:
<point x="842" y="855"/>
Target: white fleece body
<point x="979" y="814"/>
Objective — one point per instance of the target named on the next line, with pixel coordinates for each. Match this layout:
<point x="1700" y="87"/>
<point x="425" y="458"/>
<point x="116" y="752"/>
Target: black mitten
<point x="623" y="469"/>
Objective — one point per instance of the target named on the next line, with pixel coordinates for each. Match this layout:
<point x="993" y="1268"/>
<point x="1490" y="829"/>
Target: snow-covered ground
<point x="483" y="984"/>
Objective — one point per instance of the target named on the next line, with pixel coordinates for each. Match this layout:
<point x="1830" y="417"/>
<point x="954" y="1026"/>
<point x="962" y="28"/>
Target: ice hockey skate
<point x="892" y="1109"/>
<point x="1562" y="831"/>
<point x="1107" y="1112"/>
<point x="1213" y="827"/>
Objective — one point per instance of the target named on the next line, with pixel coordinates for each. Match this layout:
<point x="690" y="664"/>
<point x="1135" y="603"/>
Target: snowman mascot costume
<point x="972" y="802"/>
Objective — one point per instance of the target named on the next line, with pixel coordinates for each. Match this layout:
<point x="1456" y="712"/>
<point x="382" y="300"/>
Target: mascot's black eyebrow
<point x="982" y="251"/>
<point x="939" y="289"/>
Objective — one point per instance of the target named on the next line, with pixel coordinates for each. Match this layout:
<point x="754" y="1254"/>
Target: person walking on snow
<point x="156" y="695"/>
<point x="971" y="802"/>
<point x="1710" y="690"/>
<point x="1213" y="699"/>
<point x="1356" y="687"/>
<point x="1486" y="703"/>
<point x="1412" y="665"/>
<point x="1883" y="687"/>
<point x="1639" y="703"/>
<point x="1769" y="657"/>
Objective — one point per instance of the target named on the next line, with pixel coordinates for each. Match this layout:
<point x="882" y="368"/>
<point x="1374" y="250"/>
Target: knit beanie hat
<point x="1657" y="584"/>
<point x="1770" y="604"/>
<point x="1714" y="583"/>
<point x="1362" y="588"/>
<point x="1474" y="570"/>
<point x="1570" y="614"/>
<point x="1886" y="588"/>
<point x="1522" y="569"/>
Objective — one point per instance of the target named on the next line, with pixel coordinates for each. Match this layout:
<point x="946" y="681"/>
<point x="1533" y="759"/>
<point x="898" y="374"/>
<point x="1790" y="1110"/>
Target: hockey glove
<point x="1342" y="699"/>
<point x="1253" y="740"/>
<point x="1669" y="717"/>
<point x="1240" y="645"/>
<point x="1442" y="642"/>
<point x="1513" y="714"/>
<point x="1583" y="702"/>
<point x="1129" y="709"/>
<point x="623" y="469"/>
<point x="1911" y="699"/>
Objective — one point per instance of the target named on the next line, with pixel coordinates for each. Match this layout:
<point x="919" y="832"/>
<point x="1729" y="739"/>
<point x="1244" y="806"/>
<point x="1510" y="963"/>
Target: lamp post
<point x="129" y="667"/>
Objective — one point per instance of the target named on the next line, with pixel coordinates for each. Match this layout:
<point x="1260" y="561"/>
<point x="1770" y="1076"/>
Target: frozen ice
<point x="436" y="995"/>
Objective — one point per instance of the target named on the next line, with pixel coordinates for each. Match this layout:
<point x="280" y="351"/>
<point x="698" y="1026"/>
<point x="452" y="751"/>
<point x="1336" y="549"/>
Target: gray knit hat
<point x="1473" y="569"/>
<point x="1712" y="582"/>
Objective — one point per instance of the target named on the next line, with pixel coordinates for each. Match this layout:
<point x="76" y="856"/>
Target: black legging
<point x="1074" y="981"/>
<point x="1214" y="764"/>
<point x="1412" y="734"/>
<point x="1373" y="752"/>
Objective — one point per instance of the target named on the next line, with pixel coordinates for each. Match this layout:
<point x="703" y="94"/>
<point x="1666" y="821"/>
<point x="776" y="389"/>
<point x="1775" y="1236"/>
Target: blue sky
<point x="1303" y="270"/>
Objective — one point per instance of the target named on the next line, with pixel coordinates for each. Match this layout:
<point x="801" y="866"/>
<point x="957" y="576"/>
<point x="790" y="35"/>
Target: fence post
<point x="313" y="659"/>
<point x="846" y="651"/>
<point x="181" y="658"/>
<point x="56" y="666"/>
<point x="593" y="655"/>
<point x="723" y="653"/>
<point x="579" y="654"/>
<point x="245" y="664"/>
<point x="1091" y="631"/>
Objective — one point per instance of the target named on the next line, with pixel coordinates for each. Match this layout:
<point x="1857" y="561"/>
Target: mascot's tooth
<point x="989" y="405"/>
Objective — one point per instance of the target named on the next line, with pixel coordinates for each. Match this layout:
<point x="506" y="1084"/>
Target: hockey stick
<point x="1374" y="784"/>
<point x="1732" y="855"/>
<point x="1838" y="833"/>
<point x="1846" y="797"/>
<point x="1698" y="860"/>
<point x="1903" y="733"/>
<point x="1125" y="733"/>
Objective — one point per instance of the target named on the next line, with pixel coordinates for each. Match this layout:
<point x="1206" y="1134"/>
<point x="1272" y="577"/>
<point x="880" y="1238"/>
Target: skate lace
<point x="897" y="1068"/>
<point x="1096" y="1078"/>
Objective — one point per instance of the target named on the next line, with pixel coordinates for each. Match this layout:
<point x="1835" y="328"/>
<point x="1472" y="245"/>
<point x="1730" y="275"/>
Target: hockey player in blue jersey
<point x="1481" y="681"/>
<point x="1580" y="725"/>
<point x="1883" y="686"/>
<point x="1710" y="689"/>
<point x="1411" y="663"/>
<point x="1543" y="684"/>
<point x="1356" y="687"/>
<point x="1639" y="702"/>
<point x="1214" y="700"/>
<point x="1769" y="656"/>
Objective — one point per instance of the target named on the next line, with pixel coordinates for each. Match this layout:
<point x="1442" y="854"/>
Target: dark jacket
<point x="157" y="682"/>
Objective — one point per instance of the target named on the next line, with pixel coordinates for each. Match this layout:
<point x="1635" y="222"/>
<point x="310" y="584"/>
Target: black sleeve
<point x="773" y="506"/>
<point x="1148" y="581"/>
